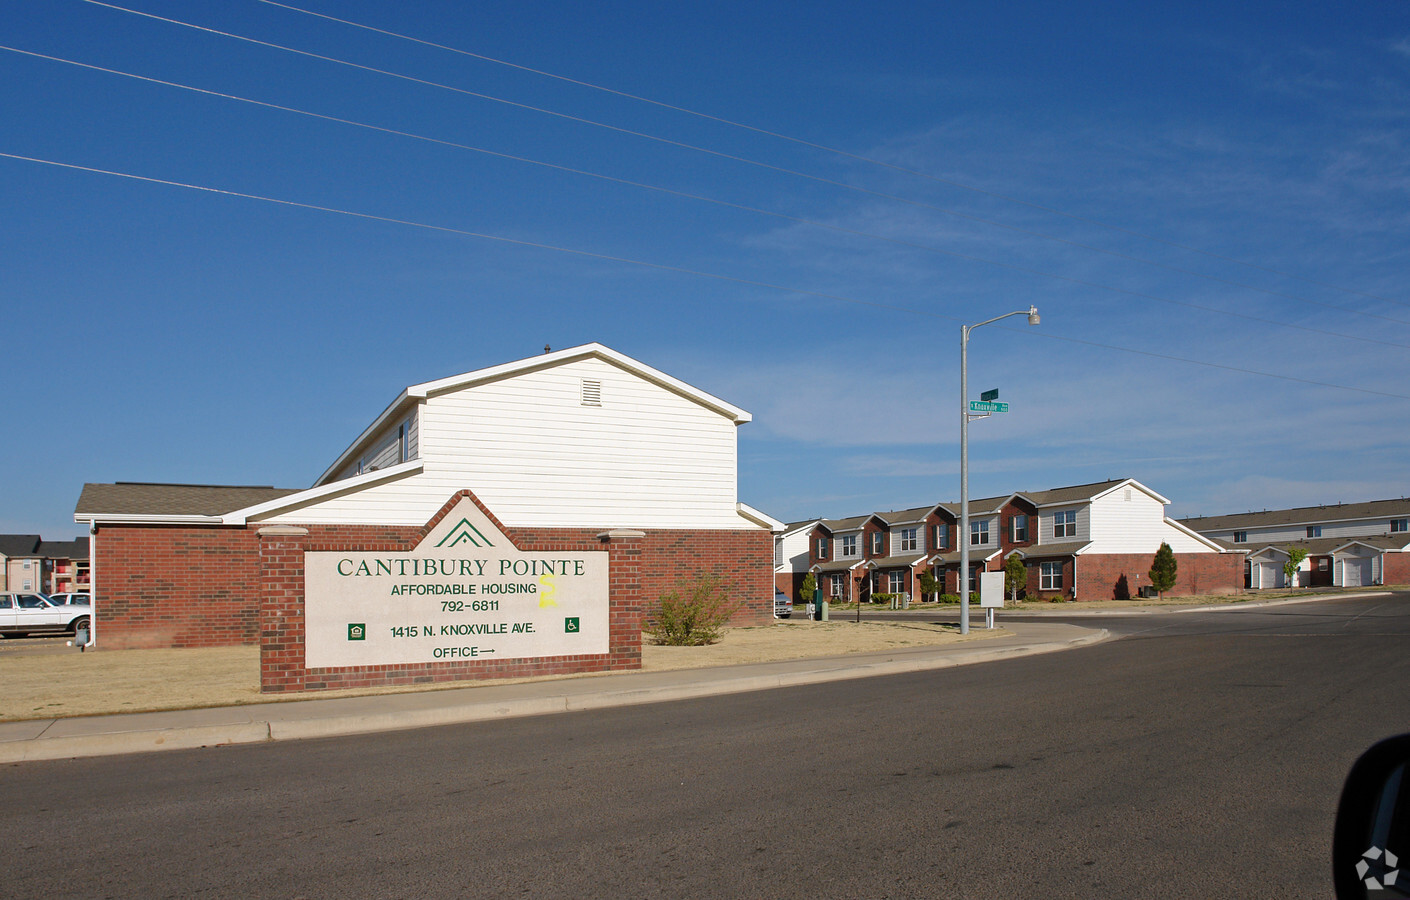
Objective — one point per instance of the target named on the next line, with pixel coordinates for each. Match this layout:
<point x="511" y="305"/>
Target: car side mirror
<point x="1371" y="842"/>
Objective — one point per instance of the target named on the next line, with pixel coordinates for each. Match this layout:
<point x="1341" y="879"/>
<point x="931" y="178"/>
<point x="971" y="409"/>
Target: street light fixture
<point x="1032" y="314"/>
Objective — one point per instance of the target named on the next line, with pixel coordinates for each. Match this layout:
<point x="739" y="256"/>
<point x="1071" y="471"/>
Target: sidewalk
<point x="39" y="739"/>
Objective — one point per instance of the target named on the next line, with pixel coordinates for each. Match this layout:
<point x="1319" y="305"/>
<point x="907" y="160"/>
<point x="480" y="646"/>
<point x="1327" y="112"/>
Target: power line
<point x="734" y="158"/>
<point x="664" y="267"/>
<point x="724" y="203"/>
<point x="849" y="155"/>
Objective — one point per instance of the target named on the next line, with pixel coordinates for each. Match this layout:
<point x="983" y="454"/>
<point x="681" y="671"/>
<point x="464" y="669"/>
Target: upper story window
<point x="1241" y="537"/>
<point x="942" y="536"/>
<point x="979" y="533"/>
<point x="878" y="543"/>
<point x="1065" y="524"/>
<point x="403" y="443"/>
<point x="1314" y="531"/>
<point x="1399" y="525"/>
<point x="908" y="539"/>
<point x="849" y="545"/>
<point x="1018" y="528"/>
<point x="822" y="548"/>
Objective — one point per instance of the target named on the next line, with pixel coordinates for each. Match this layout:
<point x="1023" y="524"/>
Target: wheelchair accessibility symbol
<point x="570" y="625"/>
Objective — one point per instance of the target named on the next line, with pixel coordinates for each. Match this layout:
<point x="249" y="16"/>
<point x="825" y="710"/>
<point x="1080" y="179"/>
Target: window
<point x="402" y="445"/>
<point x="836" y="586"/>
<point x="898" y="582"/>
<point x="908" y="539"/>
<point x="1065" y="524"/>
<point x="878" y="543"/>
<point x="1399" y="525"/>
<point x="1324" y="564"/>
<point x="979" y="533"/>
<point x="1050" y="576"/>
<point x="849" y="545"/>
<point x="822" y="548"/>
<point x="942" y="536"/>
<point x="1314" y="531"/>
<point x="1018" y="526"/>
<point x="1241" y="537"/>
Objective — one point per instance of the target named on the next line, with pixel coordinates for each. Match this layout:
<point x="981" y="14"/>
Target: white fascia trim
<point x="357" y="482"/>
<point x="558" y="357"/>
<point x="1190" y="532"/>
<point x="1131" y="482"/>
<point x="761" y="519"/>
<point x="1084" y="548"/>
<point x="805" y="527"/>
<point x="1340" y="547"/>
<point x="145" y="519"/>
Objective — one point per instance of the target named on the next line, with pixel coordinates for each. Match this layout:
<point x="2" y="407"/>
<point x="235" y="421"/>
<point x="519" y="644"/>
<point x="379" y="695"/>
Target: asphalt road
<point x="1197" y="755"/>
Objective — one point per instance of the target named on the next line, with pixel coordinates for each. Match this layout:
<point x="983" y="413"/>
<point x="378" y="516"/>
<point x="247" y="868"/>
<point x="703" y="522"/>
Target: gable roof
<point x="144" y="501"/>
<point x="74" y="549"/>
<point x="19" y="544"/>
<point x="414" y="394"/>
<point x="1304" y="515"/>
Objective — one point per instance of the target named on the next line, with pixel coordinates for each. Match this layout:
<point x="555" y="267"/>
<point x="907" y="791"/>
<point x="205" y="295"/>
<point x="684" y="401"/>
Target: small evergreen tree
<point x="1015" y="576"/>
<point x="1295" y="557"/>
<point x="808" y="588"/>
<point x="929" y="584"/>
<point x="1163" y="569"/>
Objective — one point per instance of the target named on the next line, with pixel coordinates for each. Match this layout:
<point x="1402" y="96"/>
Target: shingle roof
<point x="1303" y="515"/>
<point x="74" y="549"/>
<point x="1071" y="494"/>
<point x="143" y="499"/>
<point x="18" y="544"/>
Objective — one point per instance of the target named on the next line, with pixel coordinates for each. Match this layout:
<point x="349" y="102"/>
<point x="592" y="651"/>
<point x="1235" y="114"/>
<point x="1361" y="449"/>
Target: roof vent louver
<point x="592" y="392"/>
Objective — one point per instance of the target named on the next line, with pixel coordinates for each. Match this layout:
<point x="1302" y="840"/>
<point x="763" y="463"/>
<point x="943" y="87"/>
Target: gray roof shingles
<point x="140" y="498"/>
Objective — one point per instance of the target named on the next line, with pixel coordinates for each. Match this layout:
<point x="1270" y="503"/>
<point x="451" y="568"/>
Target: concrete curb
<point x="104" y="736"/>
<point x="1288" y="602"/>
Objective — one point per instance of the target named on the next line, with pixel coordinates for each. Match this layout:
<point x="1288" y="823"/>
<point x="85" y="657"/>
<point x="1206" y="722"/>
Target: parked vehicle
<point x="783" y="607"/>
<point x="25" y="614"/>
<point x="74" y="599"/>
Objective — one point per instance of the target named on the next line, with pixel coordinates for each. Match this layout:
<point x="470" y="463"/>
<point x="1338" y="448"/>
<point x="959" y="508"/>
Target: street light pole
<point x="1032" y="313"/>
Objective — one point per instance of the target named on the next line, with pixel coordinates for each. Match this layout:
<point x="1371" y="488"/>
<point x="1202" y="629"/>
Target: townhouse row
<point x="1346" y="545"/>
<point x="1084" y="542"/>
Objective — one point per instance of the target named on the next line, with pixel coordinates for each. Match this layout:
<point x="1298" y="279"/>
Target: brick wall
<point x="176" y="586"/>
<point x="1099" y="574"/>
<point x="1397" y="568"/>
<point x="207" y="586"/>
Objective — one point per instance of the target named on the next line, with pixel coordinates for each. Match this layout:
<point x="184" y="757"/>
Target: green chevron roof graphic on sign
<point x="465" y="533"/>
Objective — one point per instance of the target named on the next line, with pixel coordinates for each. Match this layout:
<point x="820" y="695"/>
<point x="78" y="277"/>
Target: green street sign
<point x="990" y="395"/>
<point x="984" y="406"/>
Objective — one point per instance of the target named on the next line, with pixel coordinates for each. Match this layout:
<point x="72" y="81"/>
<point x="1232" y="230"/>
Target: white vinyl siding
<point x="386" y="448"/>
<point x="1277" y="534"/>
<point x="1138" y="525"/>
<point x="530" y="451"/>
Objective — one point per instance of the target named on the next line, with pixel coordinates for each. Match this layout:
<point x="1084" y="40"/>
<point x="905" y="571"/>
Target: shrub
<point x="692" y="614"/>
<point x="883" y="598"/>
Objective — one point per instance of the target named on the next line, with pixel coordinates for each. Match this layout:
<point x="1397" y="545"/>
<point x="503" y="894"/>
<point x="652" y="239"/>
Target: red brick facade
<point x="1397" y="568"/>
<point x="210" y="586"/>
<point x="1099" y="575"/>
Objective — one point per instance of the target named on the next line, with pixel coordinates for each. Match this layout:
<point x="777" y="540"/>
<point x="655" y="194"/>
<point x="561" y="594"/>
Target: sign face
<point x="990" y="395"/>
<point x="991" y="590"/>
<point x="984" y="406"/>
<point x="466" y="592"/>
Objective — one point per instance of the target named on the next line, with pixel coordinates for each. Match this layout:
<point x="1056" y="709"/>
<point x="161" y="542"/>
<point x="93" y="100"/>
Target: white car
<point x="24" y="614"/>
<point x="75" y="599"/>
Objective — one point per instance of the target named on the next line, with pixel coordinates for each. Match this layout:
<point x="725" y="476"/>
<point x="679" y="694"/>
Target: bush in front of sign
<point x="692" y="614"/>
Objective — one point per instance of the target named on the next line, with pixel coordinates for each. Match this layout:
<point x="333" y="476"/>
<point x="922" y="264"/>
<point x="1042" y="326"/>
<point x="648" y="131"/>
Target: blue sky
<point x="1224" y="189"/>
